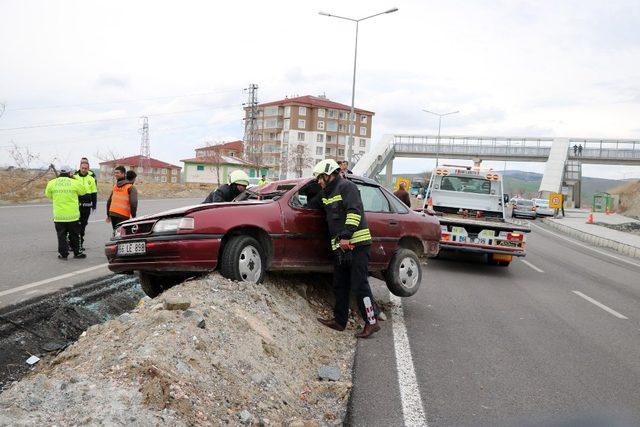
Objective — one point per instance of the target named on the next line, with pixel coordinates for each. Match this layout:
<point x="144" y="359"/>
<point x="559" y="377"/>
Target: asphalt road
<point x="28" y="249"/>
<point x="524" y="345"/>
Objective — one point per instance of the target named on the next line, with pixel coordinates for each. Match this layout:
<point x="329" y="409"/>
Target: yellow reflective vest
<point x="64" y="192"/>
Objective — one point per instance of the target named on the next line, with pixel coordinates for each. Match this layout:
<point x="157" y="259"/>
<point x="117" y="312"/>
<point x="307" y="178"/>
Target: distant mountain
<point x="527" y="183"/>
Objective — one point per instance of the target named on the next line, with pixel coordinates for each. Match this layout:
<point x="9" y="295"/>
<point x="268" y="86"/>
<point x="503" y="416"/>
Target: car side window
<point x="305" y="195"/>
<point x="373" y="200"/>
<point x="398" y="205"/>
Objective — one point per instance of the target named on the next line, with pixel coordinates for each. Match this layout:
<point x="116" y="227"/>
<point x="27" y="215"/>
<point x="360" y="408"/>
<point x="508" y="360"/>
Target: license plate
<point x="131" y="248"/>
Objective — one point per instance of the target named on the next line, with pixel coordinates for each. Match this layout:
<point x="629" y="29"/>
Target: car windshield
<point x="271" y="191"/>
<point x="523" y="202"/>
<point x="466" y="184"/>
<point x="543" y="203"/>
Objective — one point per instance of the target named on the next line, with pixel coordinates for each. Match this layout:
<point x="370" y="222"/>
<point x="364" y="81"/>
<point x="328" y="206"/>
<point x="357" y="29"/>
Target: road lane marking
<point x="52" y="279"/>
<point x="412" y="407"/>
<point x="599" y="304"/>
<point x="98" y="220"/>
<point x="532" y="266"/>
<point x="587" y="246"/>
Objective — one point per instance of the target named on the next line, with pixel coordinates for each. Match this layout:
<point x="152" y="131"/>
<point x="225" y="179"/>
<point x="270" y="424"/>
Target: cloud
<point x="112" y="81"/>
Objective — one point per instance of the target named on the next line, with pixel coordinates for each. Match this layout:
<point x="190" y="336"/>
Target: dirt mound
<point x="629" y="198"/>
<point x="240" y="354"/>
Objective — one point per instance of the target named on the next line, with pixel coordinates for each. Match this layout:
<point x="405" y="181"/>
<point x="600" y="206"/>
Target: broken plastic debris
<point x="33" y="360"/>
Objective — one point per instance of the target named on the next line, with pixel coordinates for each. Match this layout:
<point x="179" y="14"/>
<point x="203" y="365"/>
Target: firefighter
<point x="89" y="201"/>
<point x="351" y="243"/>
<point x="64" y="191"/>
<point x="123" y="201"/>
<point x="238" y="182"/>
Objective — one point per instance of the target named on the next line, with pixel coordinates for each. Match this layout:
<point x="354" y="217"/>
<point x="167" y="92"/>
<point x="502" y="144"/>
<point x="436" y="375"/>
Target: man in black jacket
<point x="238" y="182"/>
<point x="351" y="243"/>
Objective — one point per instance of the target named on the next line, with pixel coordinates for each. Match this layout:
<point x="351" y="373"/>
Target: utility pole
<point x="252" y="152"/>
<point x="145" y="148"/>
<point x="440" y="116"/>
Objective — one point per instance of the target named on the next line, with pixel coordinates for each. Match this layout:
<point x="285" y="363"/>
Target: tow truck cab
<point x="471" y="205"/>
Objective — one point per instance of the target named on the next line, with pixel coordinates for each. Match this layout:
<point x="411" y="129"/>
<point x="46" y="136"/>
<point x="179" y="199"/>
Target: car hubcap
<point x="250" y="264"/>
<point x="409" y="273"/>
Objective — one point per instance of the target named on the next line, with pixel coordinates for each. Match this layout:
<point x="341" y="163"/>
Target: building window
<point x="342" y="139"/>
<point x="329" y="138"/>
<point x="363" y="119"/>
<point x="340" y="152"/>
<point x="300" y="136"/>
<point x="363" y="142"/>
<point x="174" y="179"/>
<point x="164" y="179"/>
<point x="174" y="171"/>
<point x="332" y="126"/>
<point x="301" y="124"/>
<point x="340" y="128"/>
<point x="321" y="112"/>
<point x="320" y="125"/>
<point x="332" y="114"/>
<point x="319" y="151"/>
<point x="156" y="178"/>
<point x="302" y="111"/>
<point x="286" y="124"/>
<point x="285" y="136"/>
<point x="271" y="111"/>
<point x="320" y="137"/>
<point x="328" y="151"/>
<point x="363" y="130"/>
<point x="342" y="115"/>
<point x="164" y="171"/>
<point x="200" y="167"/>
<point x="287" y="111"/>
<point x="352" y="128"/>
<point x="270" y="123"/>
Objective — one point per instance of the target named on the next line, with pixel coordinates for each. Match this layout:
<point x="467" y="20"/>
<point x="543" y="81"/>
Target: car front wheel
<point x="243" y="260"/>
<point x="404" y="275"/>
<point x="153" y="285"/>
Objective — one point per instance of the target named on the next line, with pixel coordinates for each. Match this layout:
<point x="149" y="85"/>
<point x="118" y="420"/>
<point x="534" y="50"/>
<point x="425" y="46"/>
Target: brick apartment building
<point x="307" y="129"/>
<point x="153" y="170"/>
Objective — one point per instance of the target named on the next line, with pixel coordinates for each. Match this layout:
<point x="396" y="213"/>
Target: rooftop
<point x="314" y="101"/>
<point x="232" y="145"/>
<point x="135" y="161"/>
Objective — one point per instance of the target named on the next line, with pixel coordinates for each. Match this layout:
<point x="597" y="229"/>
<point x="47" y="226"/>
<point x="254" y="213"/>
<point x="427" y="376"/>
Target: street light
<point x="353" y="86"/>
<point x="440" y="116"/>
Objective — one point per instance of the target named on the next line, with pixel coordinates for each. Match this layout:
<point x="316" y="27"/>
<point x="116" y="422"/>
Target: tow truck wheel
<point x="154" y="285"/>
<point x="404" y="275"/>
<point x="243" y="260"/>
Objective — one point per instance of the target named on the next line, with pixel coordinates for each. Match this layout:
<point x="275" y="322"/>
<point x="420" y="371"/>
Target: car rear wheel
<point x="404" y="275"/>
<point x="153" y="285"/>
<point x="243" y="260"/>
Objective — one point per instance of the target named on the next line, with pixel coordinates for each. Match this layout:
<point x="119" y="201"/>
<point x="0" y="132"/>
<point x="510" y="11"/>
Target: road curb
<point x="620" y="247"/>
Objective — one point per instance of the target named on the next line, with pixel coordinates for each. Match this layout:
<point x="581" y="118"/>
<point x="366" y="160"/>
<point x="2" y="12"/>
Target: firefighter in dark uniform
<point x="351" y="243"/>
<point x="238" y="183"/>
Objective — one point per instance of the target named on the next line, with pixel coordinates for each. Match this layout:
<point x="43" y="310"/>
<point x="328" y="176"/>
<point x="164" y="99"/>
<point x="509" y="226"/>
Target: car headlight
<point x="173" y="224"/>
<point x="117" y="233"/>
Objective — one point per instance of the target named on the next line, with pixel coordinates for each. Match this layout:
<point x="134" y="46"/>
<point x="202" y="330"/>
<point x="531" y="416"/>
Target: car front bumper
<point x="177" y="253"/>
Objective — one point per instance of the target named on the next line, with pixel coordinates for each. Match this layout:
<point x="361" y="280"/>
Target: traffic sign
<point x="555" y="200"/>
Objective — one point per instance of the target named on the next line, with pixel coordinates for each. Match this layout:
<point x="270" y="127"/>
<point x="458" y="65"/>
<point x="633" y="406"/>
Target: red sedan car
<point x="270" y="228"/>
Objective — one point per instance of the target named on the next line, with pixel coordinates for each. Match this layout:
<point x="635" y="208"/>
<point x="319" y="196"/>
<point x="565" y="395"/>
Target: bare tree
<point x="299" y="159"/>
<point x="22" y="156"/>
<point x="108" y="155"/>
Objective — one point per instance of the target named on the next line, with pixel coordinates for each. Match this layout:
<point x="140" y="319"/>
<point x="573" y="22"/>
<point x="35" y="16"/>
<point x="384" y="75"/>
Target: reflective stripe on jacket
<point x="90" y="185"/>
<point x="64" y="192"/>
<point x="345" y="213"/>
<point x="120" y="203"/>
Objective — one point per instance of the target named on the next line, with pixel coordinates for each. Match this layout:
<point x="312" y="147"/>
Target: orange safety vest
<point x="120" y="204"/>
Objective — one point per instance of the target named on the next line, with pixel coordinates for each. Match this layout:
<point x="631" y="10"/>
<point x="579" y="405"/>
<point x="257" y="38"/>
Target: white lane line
<point x="412" y="407"/>
<point x="599" y="304"/>
<point x="52" y="279"/>
<point x="587" y="246"/>
<point x="539" y="270"/>
<point x="98" y="220"/>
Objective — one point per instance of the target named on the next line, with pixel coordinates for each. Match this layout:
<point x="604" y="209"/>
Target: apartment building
<point x="295" y="133"/>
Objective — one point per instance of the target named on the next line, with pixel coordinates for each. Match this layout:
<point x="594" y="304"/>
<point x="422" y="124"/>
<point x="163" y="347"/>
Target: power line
<point x="45" y="125"/>
<point x="122" y="101"/>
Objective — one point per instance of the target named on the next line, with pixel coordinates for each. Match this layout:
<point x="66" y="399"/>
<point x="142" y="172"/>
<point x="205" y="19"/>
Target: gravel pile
<point x="239" y="354"/>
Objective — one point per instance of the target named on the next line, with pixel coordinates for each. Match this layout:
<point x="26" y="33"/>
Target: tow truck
<point x="471" y="205"/>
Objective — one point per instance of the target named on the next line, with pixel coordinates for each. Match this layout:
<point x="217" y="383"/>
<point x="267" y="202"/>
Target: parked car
<point x="523" y="208"/>
<point x="270" y="228"/>
<point x="542" y="207"/>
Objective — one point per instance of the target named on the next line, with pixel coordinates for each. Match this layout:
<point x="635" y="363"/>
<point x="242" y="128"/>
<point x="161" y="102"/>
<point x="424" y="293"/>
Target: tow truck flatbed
<point x="494" y="225"/>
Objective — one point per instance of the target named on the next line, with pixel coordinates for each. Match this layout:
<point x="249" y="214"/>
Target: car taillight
<point x="446" y="236"/>
<point x="515" y="237"/>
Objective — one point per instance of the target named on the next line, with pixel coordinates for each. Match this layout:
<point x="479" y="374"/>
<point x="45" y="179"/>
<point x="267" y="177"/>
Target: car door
<point x="307" y="236"/>
<point x="383" y="223"/>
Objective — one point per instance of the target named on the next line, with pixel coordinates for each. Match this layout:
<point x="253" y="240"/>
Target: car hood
<point x="201" y="207"/>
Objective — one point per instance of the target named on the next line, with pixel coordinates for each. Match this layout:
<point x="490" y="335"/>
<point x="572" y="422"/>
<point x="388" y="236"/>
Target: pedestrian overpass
<point x="563" y="157"/>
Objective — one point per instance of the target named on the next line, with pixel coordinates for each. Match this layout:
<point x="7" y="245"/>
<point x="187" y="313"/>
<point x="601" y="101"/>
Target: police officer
<point x="238" y="182"/>
<point x="65" y="191"/>
<point x="89" y="201"/>
<point x="263" y="180"/>
<point x="351" y="243"/>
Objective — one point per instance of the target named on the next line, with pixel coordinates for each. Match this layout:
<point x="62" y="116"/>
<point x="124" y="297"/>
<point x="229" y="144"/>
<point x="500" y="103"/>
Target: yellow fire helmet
<point x="327" y="166"/>
<point x="239" y="177"/>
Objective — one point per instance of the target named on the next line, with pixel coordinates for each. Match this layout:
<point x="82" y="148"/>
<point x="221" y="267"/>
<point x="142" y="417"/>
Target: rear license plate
<point x="131" y="248"/>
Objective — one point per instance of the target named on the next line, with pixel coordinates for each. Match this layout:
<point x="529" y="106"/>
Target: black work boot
<point x="368" y="330"/>
<point x="332" y="323"/>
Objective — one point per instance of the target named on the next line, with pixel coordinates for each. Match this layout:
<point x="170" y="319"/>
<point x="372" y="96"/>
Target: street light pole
<point x="440" y="116"/>
<point x="352" y="117"/>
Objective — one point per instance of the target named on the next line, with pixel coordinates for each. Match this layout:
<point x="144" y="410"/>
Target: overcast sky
<point x="530" y="68"/>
